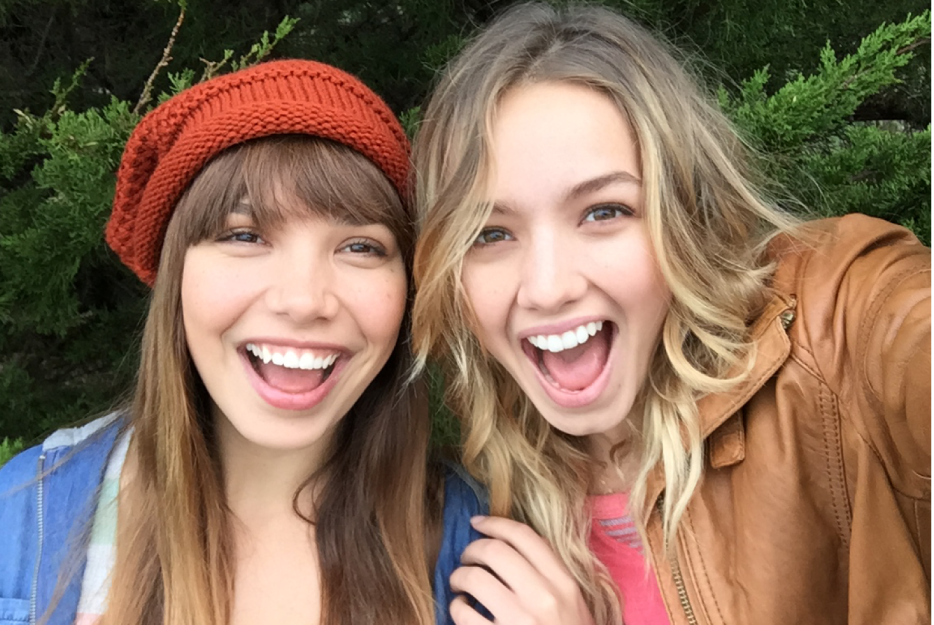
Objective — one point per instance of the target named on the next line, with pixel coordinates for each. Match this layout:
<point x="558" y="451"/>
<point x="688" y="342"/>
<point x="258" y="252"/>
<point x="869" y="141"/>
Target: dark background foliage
<point x="842" y="132"/>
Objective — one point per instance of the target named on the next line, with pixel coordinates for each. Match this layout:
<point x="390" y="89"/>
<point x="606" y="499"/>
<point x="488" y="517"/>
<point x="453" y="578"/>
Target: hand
<point x="517" y="577"/>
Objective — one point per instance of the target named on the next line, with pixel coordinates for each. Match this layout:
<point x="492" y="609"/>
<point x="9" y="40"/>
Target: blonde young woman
<point x="689" y="408"/>
<point x="272" y="466"/>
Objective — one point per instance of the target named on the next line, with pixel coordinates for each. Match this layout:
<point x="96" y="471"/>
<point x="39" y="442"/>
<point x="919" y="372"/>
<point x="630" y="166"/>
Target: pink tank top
<point x="613" y="539"/>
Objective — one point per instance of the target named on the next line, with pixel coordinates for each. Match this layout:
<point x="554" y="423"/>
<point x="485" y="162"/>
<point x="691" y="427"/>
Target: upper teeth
<point x="572" y="338"/>
<point x="291" y="358"/>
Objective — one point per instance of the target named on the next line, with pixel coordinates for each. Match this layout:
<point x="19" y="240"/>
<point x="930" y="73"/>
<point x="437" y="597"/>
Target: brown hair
<point x="708" y="224"/>
<point x="174" y="546"/>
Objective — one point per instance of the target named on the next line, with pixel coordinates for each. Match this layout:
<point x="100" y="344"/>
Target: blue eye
<point x="606" y="212"/>
<point x="489" y="236"/>
<point x="242" y="236"/>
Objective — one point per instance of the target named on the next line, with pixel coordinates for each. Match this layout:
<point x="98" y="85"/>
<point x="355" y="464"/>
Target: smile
<point x="573" y="366"/>
<point x="291" y="378"/>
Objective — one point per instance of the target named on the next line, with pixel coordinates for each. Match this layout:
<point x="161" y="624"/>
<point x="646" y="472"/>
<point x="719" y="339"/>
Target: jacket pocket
<point x="14" y="611"/>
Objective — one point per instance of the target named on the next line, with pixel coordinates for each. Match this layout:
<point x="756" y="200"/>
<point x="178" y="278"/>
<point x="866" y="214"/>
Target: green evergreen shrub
<point x="70" y="314"/>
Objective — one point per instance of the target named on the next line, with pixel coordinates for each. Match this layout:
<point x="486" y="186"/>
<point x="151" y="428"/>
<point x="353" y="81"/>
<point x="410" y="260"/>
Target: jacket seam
<point x="832" y="443"/>
<point x="834" y="463"/>
<point x="703" y="567"/>
<point x="814" y="372"/>
<point x="881" y="462"/>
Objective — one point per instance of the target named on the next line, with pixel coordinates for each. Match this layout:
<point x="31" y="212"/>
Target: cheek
<point x="379" y="305"/>
<point x="211" y="297"/>
<point x="486" y="294"/>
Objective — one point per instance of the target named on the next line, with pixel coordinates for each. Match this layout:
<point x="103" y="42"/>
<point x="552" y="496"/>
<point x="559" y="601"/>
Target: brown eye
<point x="606" y="212"/>
<point x="365" y="247"/>
<point x="488" y="236"/>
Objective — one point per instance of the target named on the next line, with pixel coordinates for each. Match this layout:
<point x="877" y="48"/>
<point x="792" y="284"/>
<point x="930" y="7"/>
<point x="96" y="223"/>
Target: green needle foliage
<point x="70" y="314"/>
<point x="810" y="144"/>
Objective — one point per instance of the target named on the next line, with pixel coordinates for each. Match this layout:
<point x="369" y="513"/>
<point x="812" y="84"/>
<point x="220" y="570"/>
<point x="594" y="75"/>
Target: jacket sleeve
<point x="886" y="302"/>
<point x="869" y="283"/>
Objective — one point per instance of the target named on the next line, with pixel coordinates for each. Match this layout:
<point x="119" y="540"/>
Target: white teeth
<point x="572" y="338"/>
<point x="291" y="359"/>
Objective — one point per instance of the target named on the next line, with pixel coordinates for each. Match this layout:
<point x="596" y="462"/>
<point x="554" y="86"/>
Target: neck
<point x="616" y="455"/>
<point x="261" y="483"/>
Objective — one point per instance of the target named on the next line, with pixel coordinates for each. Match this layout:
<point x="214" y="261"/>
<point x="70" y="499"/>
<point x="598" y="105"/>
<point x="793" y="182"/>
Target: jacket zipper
<point x="679" y="580"/>
<point x="40" y="517"/>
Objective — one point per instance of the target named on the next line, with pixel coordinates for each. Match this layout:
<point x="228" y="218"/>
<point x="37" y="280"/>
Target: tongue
<point x="290" y="380"/>
<point x="577" y="368"/>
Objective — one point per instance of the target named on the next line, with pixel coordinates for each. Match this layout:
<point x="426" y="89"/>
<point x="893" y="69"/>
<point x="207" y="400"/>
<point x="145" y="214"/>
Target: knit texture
<point x="173" y="143"/>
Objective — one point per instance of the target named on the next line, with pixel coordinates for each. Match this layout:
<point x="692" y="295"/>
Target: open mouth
<point x="291" y="370"/>
<point x="573" y="361"/>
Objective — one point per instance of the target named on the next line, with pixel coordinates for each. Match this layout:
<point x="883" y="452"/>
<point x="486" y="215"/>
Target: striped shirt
<point x="614" y="540"/>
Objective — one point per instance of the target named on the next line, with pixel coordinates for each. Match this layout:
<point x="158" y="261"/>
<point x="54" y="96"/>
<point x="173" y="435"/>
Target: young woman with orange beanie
<point x="272" y="464"/>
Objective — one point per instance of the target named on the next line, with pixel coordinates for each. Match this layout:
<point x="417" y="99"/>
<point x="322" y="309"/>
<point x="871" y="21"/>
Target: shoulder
<point x="46" y="487"/>
<point x="862" y="330"/>
<point x="826" y="253"/>
<point x="462" y="491"/>
<point x="70" y="456"/>
<point x="464" y="498"/>
<point x="20" y="469"/>
<point x="851" y="279"/>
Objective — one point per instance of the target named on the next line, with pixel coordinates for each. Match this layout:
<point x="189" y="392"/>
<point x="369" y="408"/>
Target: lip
<point x="293" y="401"/>
<point x="584" y="397"/>
<point x="560" y="327"/>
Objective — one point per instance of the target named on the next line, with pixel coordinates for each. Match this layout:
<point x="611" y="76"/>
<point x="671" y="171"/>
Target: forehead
<point x="548" y="137"/>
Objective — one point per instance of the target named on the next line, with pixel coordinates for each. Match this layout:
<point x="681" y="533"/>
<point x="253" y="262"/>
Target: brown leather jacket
<point x="815" y="506"/>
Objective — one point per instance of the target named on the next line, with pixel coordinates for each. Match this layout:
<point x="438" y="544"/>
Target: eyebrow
<point x="581" y="188"/>
<point x="595" y="184"/>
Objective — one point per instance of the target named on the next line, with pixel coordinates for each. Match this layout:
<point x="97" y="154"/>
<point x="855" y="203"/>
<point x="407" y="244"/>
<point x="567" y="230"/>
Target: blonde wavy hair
<point x="708" y="222"/>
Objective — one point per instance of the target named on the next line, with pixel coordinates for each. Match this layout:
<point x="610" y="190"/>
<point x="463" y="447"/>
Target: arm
<point x="865" y="313"/>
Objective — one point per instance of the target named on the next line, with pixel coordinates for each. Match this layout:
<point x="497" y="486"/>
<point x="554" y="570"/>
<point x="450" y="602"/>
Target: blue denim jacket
<point x="49" y="492"/>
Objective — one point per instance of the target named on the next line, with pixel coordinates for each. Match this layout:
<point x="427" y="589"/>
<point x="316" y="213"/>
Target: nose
<point x="302" y="288"/>
<point x="551" y="275"/>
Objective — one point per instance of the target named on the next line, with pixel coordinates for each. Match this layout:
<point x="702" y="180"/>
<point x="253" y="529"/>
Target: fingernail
<point x="474" y="520"/>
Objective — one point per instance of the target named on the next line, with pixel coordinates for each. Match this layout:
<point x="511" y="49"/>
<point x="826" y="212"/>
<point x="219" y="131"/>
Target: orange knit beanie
<point x="173" y="143"/>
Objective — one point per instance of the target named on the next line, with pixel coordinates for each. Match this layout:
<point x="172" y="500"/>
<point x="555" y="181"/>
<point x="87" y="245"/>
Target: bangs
<point x="274" y="179"/>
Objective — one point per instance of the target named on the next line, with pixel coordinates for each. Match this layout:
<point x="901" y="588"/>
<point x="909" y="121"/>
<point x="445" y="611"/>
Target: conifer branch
<point x="146" y="96"/>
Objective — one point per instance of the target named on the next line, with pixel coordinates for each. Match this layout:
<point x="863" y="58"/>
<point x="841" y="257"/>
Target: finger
<point x="490" y="592"/>
<point x="463" y="614"/>
<point x="510" y="566"/>
<point x="526" y="542"/>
